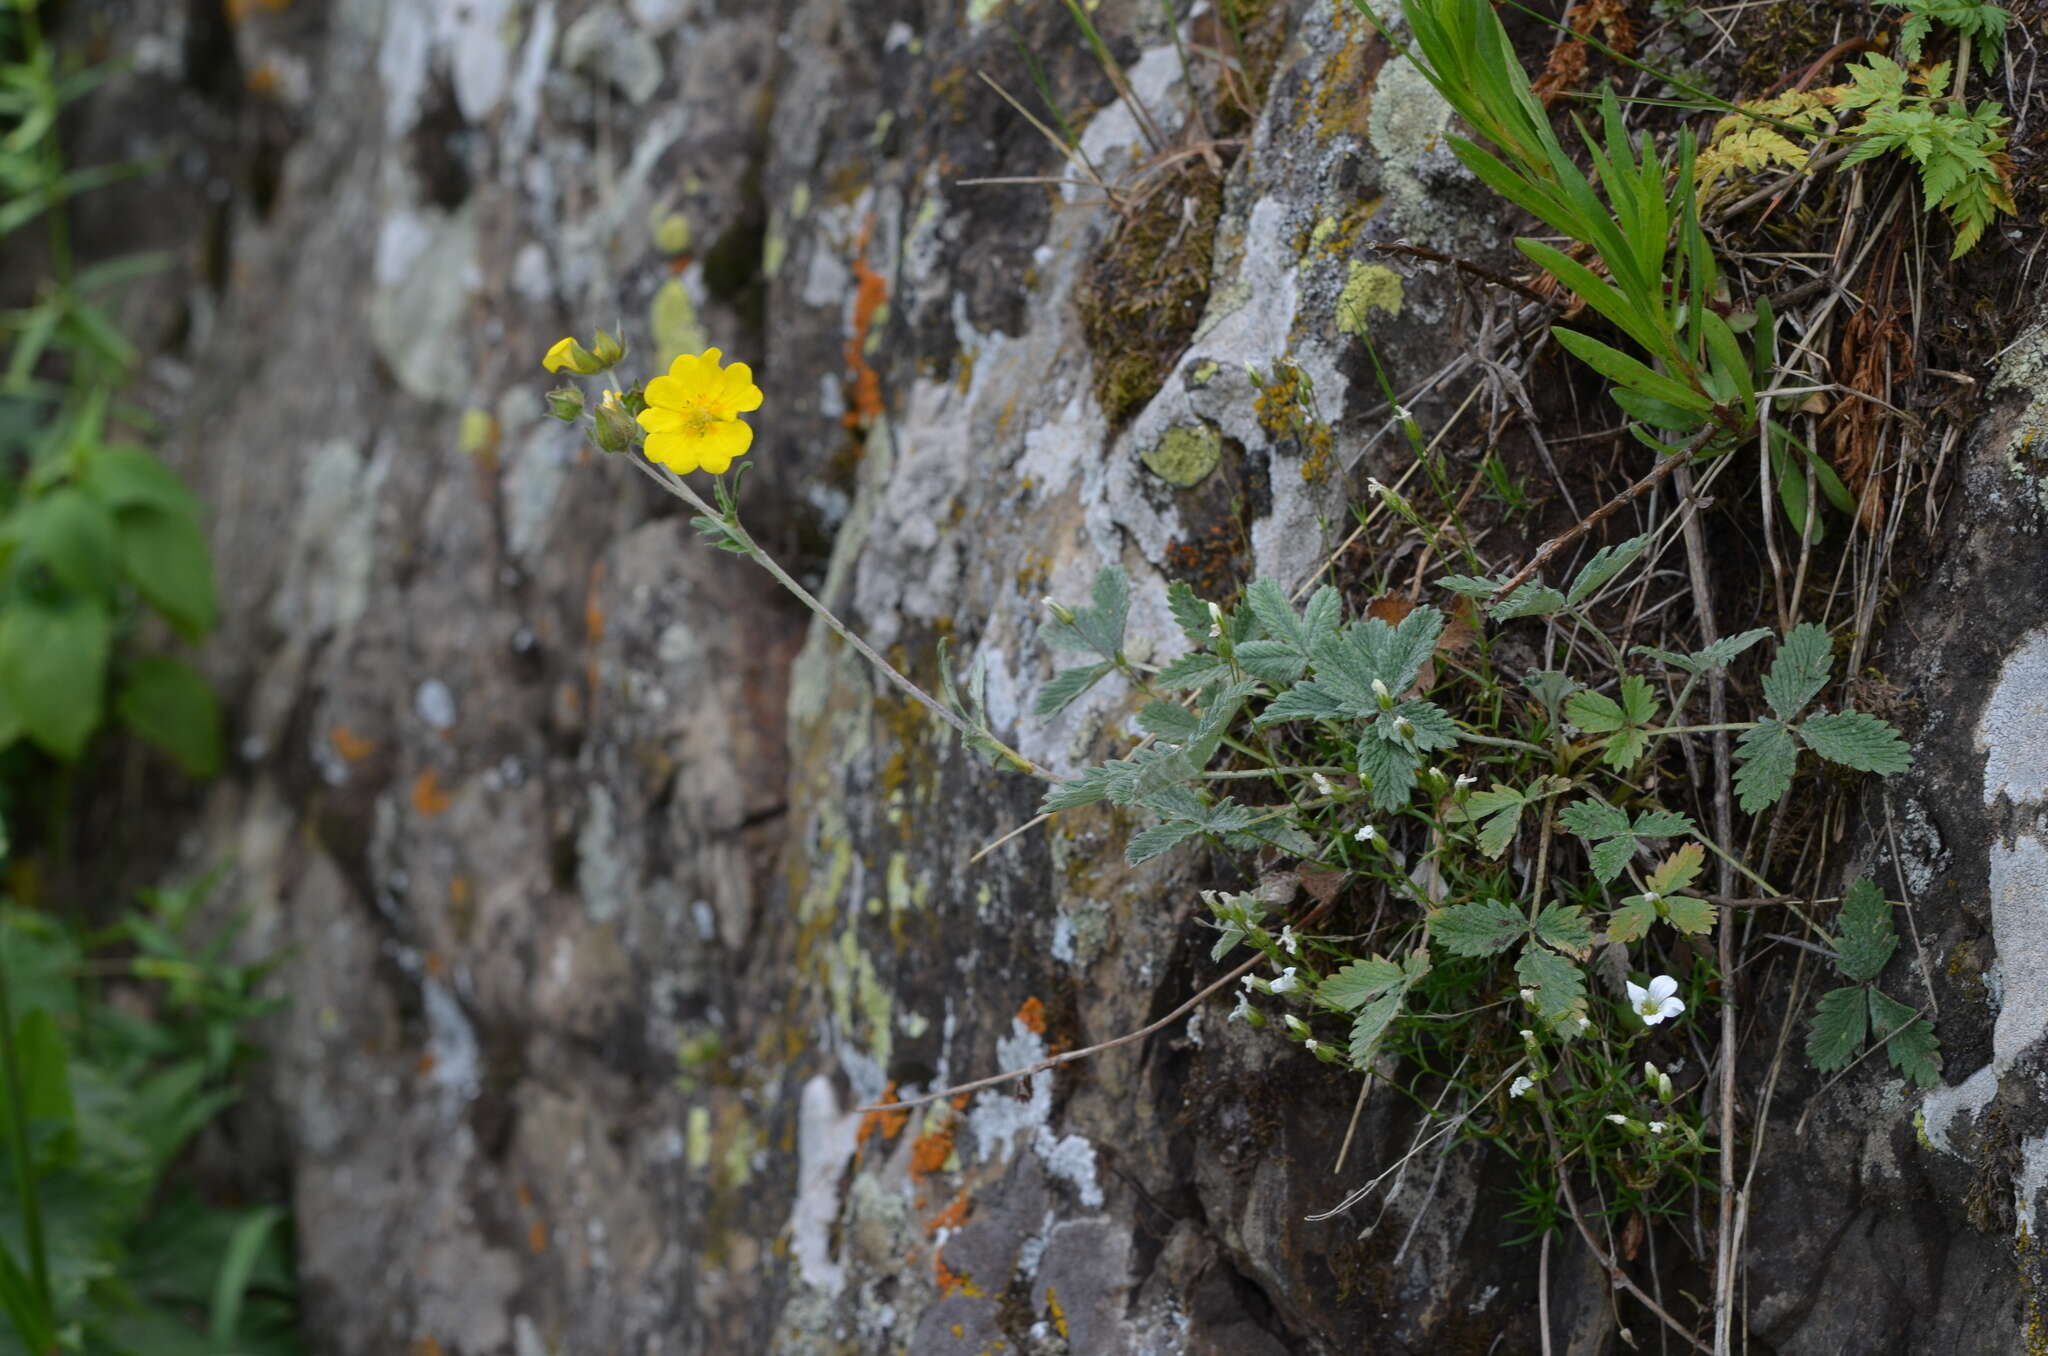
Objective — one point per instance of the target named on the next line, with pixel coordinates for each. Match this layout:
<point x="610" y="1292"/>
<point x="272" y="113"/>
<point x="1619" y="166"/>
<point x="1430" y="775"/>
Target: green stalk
<point x="19" y="1145"/>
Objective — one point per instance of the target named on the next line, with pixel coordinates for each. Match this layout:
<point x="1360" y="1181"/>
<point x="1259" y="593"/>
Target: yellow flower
<point x="692" y="415"/>
<point x="572" y="355"/>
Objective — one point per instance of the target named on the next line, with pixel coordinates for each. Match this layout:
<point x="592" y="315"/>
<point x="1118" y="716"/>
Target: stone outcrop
<point x="608" y="886"/>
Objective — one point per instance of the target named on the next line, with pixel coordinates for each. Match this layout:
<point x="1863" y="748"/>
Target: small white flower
<point x="1521" y="1085"/>
<point x="1215" y="622"/>
<point x="1529" y="997"/>
<point x="1243" y="1009"/>
<point x="1466" y="781"/>
<point x="1658" y="1001"/>
<point x="1287" y="983"/>
<point x="1289" y="942"/>
<point x="1652" y="897"/>
<point x="1367" y="834"/>
<point x="1323" y="786"/>
<point x="1617" y="1118"/>
<point x="1585" y="1025"/>
<point x="1527" y="1034"/>
<point x="1296" y="1025"/>
<point x="1309" y="1044"/>
<point x="1656" y="1127"/>
<point x="1401" y="413"/>
<point x="1379" y="689"/>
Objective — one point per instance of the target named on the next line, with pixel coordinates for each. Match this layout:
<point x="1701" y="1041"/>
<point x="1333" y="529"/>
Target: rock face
<point x="609" y="885"/>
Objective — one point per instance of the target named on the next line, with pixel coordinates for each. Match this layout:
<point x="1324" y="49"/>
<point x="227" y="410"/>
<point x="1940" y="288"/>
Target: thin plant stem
<point x="680" y="488"/>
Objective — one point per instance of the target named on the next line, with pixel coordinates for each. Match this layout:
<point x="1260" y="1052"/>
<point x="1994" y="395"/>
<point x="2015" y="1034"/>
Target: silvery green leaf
<point x="1170" y="721"/>
<point x="1312" y="700"/>
<point x="1270" y="661"/>
<point x="1268" y="602"/>
<point x="1389" y="769"/>
<point x="1149" y="843"/>
<point x="1088" y="788"/>
<point x="1190" y="613"/>
<point x="1066" y="687"/>
<point x="1190" y="670"/>
<point x="1661" y="823"/>
<point x="1606" y="563"/>
<point x="1100" y="626"/>
<point x="1323" y="616"/>
<point x="1471" y="586"/>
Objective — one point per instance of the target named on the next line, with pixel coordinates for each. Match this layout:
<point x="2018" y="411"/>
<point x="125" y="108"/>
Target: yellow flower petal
<point x="723" y="443"/>
<point x="677" y="451"/>
<point x="739" y="391"/>
<point x="558" y="357"/>
<point x="656" y="420"/>
<point x="667" y="392"/>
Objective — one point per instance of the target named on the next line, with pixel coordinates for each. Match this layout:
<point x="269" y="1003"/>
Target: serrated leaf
<point x="1431" y="726"/>
<point x="1564" y="928"/>
<point x="1500" y="831"/>
<point x="1149" y="843"/>
<point x="1661" y="823"/>
<point x="1270" y="661"/>
<point x="1371" y="1026"/>
<point x="1559" y="984"/>
<point x="1909" y="1039"/>
<point x="1594" y="713"/>
<point x="1611" y="858"/>
<point x="1694" y="917"/>
<point x="1099" y="626"/>
<point x="1360" y="982"/>
<point x="1191" y="670"/>
<point x="1388" y="769"/>
<point x="1483" y="927"/>
<point x="1530" y="600"/>
<point x="1858" y="740"/>
<point x="1592" y="819"/>
<point x="1770" y="756"/>
<point x="1268" y="602"/>
<point x="1304" y="701"/>
<point x="1625" y="747"/>
<point x="1800" y="671"/>
<point x="1606" y="563"/>
<point x="1631" y="922"/>
<point x="1638" y="700"/>
<point x="1867" y="937"/>
<point x="1066" y="687"/>
<point x="1190" y="613"/>
<point x="1551" y="686"/>
<point x="1678" y="870"/>
<point x="1471" y="586"/>
<point x="1170" y="721"/>
<point x="1719" y="655"/>
<point x="174" y="708"/>
<point x="1088" y="788"/>
<point x="1839" y="1023"/>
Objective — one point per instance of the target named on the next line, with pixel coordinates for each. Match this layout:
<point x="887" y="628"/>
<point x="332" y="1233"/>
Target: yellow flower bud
<point x="572" y="355"/>
<point x="612" y="429"/>
<point x="566" y="404"/>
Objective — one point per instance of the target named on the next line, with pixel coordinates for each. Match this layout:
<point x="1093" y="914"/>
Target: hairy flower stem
<point x="678" y="487"/>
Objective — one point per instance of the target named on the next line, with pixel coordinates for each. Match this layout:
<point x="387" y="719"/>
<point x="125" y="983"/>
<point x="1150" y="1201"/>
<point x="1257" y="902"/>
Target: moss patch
<point x="1144" y="290"/>
<point x="1184" y="454"/>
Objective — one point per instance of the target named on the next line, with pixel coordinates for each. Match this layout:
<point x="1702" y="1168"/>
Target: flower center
<point x="697" y="420"/>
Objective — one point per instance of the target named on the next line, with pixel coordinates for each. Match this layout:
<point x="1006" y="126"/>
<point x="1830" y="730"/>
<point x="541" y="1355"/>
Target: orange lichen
<point x="1032" y="1014"/>
<point x="928" y="1154"/>
<point x="537" y="1237"/>
<point x="427" y="796"/>
<point x="871" y="290"/>
<point x="888" y="1124"/>
<point x="352" y="747"/>
<point x="951" y="1282"/>
<point x="952" y="1217"/>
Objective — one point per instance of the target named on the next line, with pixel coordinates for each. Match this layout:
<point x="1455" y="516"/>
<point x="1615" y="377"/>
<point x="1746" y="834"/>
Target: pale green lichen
<point x="697" y="1138"/>
<point x="673" y="319"/>
<point x="2025" y="368"/>
<point x="1202" y="373"/>
<point x="1185" y="454"/>
<point x="1368" y="288"/>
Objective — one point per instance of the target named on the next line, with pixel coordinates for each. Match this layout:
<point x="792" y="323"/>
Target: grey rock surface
<point x="609" y="886"/>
